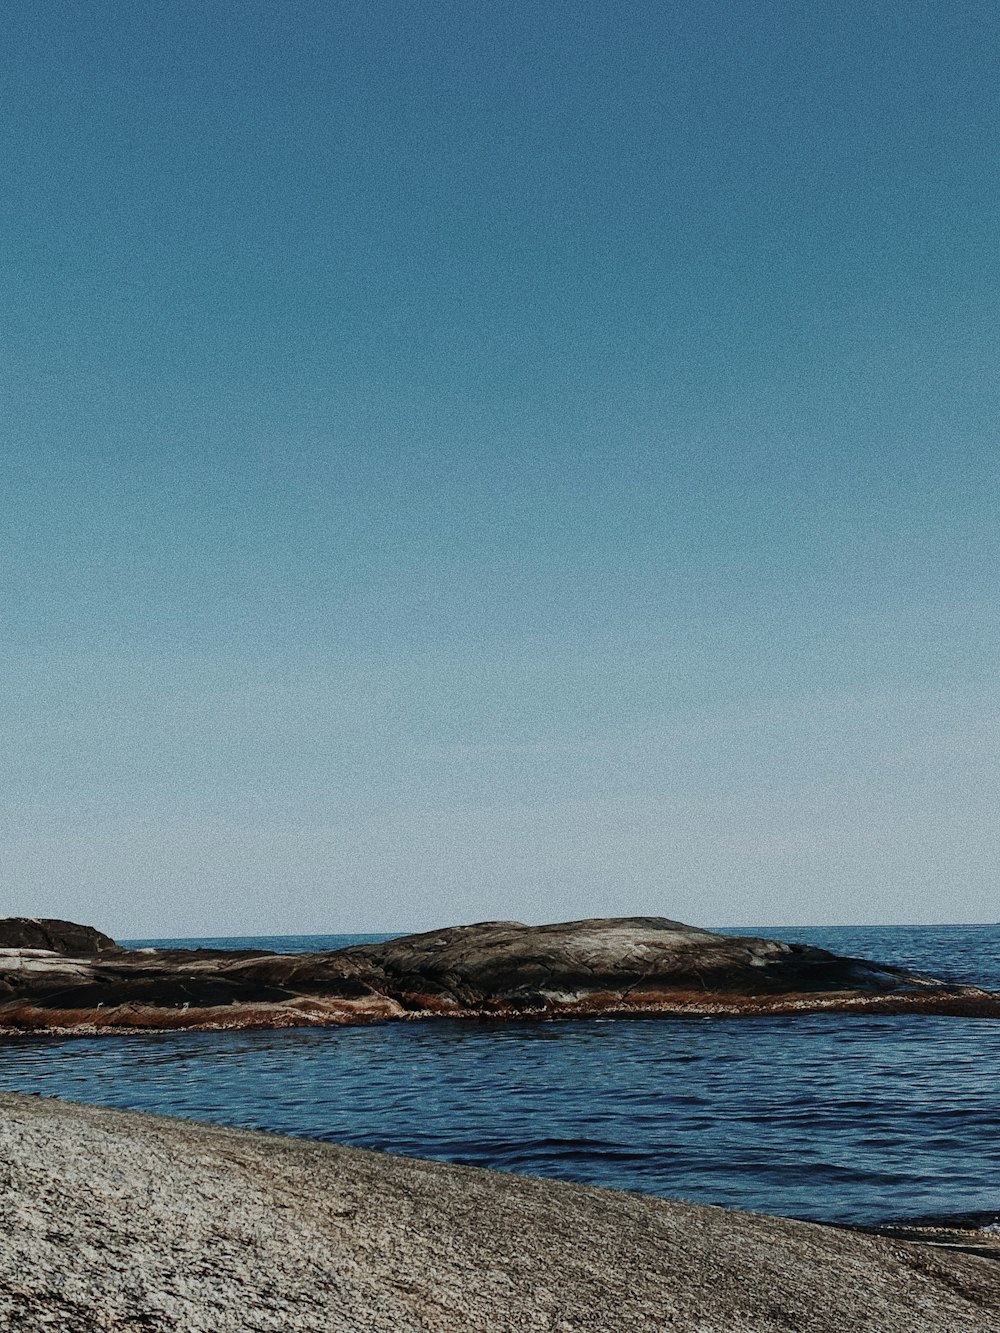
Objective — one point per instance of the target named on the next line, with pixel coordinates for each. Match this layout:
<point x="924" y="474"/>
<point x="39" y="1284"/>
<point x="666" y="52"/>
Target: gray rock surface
<point x="116" y="1221"/>
<point x="506" y="964"/>
<point x="496" y="969"/>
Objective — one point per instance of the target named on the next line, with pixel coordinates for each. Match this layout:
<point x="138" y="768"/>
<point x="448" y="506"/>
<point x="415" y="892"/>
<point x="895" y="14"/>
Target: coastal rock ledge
<point x="114" y="1220"/>
<point x="629" y="966"/>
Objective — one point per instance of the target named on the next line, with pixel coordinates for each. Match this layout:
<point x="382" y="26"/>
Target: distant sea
<point x="834" y="1117"/>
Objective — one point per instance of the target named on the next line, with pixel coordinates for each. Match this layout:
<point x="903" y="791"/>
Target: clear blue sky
<point x="499" y="460"/>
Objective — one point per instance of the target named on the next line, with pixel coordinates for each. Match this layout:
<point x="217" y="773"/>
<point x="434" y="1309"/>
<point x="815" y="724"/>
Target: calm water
<point x="833" y="1117"/>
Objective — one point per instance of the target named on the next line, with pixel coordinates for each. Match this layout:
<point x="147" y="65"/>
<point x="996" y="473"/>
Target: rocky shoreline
<point x="119" y="1221"/>
<point x="70" y="981"/>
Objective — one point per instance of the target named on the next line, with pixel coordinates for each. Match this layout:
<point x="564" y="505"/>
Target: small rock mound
<point x="62" y="937"/>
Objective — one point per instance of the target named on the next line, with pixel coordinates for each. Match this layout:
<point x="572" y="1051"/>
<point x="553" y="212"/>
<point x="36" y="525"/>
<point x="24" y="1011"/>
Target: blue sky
<point x="473" y="461"/>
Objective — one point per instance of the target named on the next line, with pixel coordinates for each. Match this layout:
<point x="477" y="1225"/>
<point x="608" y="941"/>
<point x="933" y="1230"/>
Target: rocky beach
<point x="62" y="977"/>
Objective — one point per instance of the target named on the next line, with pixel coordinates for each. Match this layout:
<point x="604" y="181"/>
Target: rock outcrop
<point x="113" y="1220"/>
<point x="62" y="937"/>
<point x="604" y="962"/>
<point x="628" y="966"/>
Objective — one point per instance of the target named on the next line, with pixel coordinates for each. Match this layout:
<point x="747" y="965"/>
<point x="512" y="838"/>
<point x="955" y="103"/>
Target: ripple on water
<point x="843" y="1118"/>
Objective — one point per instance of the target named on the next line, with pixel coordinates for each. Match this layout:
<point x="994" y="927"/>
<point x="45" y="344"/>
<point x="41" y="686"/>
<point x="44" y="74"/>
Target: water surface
<point x="861" y="1118"/>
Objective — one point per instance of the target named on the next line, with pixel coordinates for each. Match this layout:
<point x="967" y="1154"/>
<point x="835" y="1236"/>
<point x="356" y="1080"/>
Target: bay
<point x="833" y="1117"/>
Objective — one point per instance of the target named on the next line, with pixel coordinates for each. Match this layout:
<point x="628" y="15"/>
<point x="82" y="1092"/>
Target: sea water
<point x="835" y="1117"/>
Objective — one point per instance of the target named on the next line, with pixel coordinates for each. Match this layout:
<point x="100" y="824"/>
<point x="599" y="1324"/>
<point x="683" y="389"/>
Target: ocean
<point x="846" y="1118"/>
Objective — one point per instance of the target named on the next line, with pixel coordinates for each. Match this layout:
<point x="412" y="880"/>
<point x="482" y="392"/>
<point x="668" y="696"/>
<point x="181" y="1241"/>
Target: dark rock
<point x="969" y="1233"/>
<point x="63" y="937"/>
<point x="496" y="969"/>
<point x="498" y="962"/>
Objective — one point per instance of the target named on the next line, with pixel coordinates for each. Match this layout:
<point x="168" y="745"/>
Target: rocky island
<point x="58" y="976"/>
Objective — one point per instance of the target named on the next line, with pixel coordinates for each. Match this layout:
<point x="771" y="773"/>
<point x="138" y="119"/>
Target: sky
<point x="501" y="461"/>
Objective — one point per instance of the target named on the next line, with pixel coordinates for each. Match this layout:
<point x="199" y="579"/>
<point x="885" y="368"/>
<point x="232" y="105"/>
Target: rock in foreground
<point x="113" y="1220"/>
<point x="497" y="969"/>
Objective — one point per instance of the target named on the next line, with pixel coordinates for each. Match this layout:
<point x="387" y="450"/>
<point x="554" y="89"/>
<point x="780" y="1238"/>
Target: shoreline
<point x="134" y="1020"/>
<point x="119" y="1219"/>
<point x="64" y="977"/>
